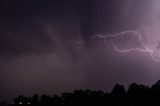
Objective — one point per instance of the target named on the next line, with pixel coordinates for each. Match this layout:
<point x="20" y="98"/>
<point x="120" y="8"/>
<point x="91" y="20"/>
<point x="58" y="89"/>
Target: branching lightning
<point x="145" y="49"/>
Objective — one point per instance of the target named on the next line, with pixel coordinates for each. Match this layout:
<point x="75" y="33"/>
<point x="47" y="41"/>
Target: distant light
<point x="20" y="103"/>
<point x="28" y="103"/>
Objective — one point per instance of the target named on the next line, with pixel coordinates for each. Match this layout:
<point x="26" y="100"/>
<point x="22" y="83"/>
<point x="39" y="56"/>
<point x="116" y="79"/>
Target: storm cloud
<point x="47" y="46"/>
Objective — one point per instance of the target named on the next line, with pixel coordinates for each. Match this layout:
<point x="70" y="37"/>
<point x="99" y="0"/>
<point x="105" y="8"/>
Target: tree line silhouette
<point x="136" y="95"/>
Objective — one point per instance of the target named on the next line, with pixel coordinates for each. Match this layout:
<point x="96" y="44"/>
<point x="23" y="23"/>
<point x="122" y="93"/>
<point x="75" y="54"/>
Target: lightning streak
<point x="115" y="35"/>
<point x="127" y="33"/>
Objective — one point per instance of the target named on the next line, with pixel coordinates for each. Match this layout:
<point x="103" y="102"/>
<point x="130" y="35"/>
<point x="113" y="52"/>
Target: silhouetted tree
<point x="118" y="95"/>
<point x="34" y="99"/>
<point x="21" y="100"/>
<point x="137" y="95"/>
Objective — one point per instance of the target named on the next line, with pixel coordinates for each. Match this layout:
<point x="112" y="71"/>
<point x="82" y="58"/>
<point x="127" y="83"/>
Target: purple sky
<point x="54" y="46"/>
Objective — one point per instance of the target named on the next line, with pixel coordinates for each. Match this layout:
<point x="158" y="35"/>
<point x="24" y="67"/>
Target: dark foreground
<point x="136" y="95"/>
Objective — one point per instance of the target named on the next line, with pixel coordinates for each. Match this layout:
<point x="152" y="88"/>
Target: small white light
<point x="20" y="103"/>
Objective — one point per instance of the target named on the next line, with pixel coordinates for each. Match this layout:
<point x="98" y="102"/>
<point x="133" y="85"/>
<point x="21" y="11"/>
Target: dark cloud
<point x="25" y="21"/>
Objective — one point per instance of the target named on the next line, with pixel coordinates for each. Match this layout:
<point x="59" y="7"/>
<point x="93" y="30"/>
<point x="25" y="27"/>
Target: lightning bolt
<point x="145" y="49"/>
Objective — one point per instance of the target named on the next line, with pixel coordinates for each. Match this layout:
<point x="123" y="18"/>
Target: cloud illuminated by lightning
<point x="136" y="33"/>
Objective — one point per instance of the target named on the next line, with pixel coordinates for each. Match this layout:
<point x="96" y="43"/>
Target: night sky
<point x="55" y="46"/>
